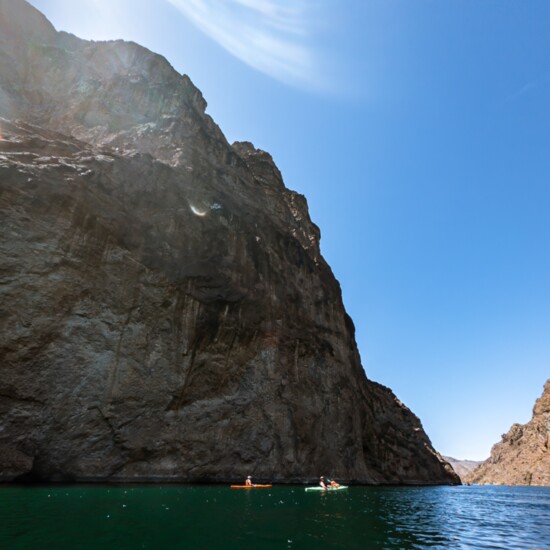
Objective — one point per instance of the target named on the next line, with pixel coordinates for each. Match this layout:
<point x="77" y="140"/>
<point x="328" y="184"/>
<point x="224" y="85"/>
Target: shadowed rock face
<point x="523" y="455"/>
<point x="166" y="311"/>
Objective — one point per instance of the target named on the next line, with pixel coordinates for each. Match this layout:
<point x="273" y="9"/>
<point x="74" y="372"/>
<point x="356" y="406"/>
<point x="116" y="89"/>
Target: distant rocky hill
<point x="523" y="455"/>
<point x="166" y="311"/>
<point x="462" y="467"/>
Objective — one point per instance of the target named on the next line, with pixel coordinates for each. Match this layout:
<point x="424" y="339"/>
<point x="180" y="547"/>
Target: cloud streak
<point x="272" y="36"/>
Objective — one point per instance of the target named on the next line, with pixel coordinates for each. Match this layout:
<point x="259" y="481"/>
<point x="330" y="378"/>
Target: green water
<point x="189" y="517"/>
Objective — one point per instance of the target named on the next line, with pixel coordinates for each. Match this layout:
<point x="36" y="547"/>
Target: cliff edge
<point x="522" y="457"/>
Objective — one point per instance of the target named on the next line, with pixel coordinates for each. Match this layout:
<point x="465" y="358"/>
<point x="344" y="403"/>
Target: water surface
<point x="189" y="517"/>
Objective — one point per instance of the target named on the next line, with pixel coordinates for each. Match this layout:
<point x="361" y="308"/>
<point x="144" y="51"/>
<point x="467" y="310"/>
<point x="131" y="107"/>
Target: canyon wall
<point x="462" y="467"/>
<point x="166" y="311"/>
<point x="522" y="457"/>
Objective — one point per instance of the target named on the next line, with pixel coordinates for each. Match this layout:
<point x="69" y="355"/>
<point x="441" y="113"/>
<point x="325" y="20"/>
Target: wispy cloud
<point x="518" y="93"/>
<point x="522" y="91"/>
<point x="272" y="36"/>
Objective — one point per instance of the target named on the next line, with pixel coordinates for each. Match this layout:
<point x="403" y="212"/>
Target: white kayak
<point x="319" y="488"/>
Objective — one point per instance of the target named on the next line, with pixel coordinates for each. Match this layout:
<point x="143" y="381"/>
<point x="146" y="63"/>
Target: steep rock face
<point x="523" y="455"/>
<point x="462" y="467"/>
<point x="166" y="311"/>
<point x="109" y="93"/>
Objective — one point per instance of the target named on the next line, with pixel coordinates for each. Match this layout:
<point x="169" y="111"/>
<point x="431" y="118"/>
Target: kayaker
<point x="248" y="482"/>
<point x="322" y="483"/>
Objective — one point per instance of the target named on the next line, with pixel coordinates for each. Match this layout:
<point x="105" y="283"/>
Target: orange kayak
<point x="257" y="486"/>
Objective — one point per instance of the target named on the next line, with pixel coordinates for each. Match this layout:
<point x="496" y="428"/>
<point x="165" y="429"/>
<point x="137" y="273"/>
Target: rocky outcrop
<point x="522" y="457"/>
<point x="462" y="467"/>
<point x="166" y="311"/>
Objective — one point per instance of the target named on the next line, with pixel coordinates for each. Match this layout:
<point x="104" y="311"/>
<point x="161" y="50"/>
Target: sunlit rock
<point x="522" y="457"/>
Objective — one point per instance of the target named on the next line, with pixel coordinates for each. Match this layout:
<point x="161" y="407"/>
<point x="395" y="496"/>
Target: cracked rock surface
<point x="522" y="457"/>
<point x="166" y="313"/>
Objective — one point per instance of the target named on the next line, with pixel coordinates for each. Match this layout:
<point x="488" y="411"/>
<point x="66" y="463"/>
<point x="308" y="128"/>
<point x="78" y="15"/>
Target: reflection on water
<point x="282" y="517"/>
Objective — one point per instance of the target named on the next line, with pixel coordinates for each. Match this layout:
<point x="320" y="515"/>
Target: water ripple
<point x="87" y="518"/>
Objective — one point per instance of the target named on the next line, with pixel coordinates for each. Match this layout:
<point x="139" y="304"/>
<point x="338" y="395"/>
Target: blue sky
<point x="419" y="131"/>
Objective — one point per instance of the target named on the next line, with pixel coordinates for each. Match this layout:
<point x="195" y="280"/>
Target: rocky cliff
<point x="522" y="457"/>
<point x="462" y="467"/>
<point x="166" y="312"/>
